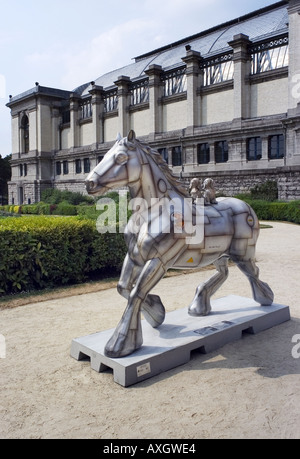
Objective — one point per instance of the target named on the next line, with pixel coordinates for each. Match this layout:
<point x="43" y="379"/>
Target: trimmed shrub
<point x="64" y="208"/>
<point x="40" y="251"/>
<point x="267" y="191"/>
<point x="54" y="196"/>
<point x="275" y="211"/>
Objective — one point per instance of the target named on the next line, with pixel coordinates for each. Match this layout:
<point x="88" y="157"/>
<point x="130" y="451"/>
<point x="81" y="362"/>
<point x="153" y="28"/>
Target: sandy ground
<point x="247" y="389"/>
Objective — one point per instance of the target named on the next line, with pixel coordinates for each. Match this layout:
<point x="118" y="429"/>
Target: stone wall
<point x="232" y="183"/>
<point x="76" y="186"/>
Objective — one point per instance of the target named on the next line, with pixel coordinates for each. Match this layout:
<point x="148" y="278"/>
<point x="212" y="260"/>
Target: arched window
<point x="25" y="134"/>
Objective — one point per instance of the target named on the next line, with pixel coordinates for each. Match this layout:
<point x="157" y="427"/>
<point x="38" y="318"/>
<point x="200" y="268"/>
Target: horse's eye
<point x="121" y="158"/>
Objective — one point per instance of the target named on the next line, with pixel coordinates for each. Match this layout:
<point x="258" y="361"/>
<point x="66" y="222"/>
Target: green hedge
<point x="275" y="211"/>
<point x="85" y="209"/>
<point x="40" y="252"/>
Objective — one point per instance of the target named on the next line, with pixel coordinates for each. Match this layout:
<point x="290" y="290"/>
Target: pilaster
<point x="155" y="94"/>
<point x="194" y="76"/>
<point x="55" y="128"/>
<point x="242" y="69"/>
<point x="74" y="116"/>
<point x="265" y="148"/>
<point x="123" y="84"/>
<point x="97" y="94"/>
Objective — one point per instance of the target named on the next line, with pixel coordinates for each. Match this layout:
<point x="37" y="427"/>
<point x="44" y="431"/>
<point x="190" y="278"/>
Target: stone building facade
<point x="224" y="103"/>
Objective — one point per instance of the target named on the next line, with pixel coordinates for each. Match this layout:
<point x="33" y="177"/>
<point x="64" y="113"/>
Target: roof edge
<point x="39" y="90"/>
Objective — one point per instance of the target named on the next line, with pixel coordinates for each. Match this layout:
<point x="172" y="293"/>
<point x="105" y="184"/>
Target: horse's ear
<point x="131" y="136"/>
<point x="119" y="137"/>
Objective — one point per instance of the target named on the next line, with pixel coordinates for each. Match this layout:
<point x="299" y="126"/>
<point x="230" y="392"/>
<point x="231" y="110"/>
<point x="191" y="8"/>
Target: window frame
<point x="25" y="133"/>
<point x="279" y="147"/>
<point x="58" y="168"/>
<point x="257" y="149"/>
<point x="164" y="154"/>
<point x="224" y="156"/>
<point x="78" y="166"/>
<point x="177" y="156"/>
<point x="65" y="168"/>
<point x="86" y="165"/>
<point x="206" y="153"/>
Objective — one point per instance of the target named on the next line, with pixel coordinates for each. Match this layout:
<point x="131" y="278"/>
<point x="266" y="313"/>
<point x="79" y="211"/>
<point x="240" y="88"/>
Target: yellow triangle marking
<point x="191" y="260"/>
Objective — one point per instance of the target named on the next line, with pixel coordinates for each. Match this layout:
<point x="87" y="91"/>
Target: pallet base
<point x="171" y="344"/>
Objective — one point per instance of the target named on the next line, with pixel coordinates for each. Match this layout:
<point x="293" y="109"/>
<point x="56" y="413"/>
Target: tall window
<point x="86" y="165"/>
<point x="111" y="101"/>
<point x="203" y="153"/>
<point x="25" y="134"/>
<point x="86" y="109"/>
<point x="219" y="71"/>
<point x="276" y="147"/>
<point x="254" y="149"/>
<point x="164" y="154"/>
<point x="66" y="115"/>
<point x="66" y="167"/>
<point x="175" y="82"/>
<point x="221" y="151"/>
<point x="78" y="166"/>
<point x="176" y="156"/>
<point x="58" y="168"/>
<point x="140" y="92"/>
<point x="270" y="56"/>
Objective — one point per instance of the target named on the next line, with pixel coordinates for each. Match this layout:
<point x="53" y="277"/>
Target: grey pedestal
<point x="171" y="344"/>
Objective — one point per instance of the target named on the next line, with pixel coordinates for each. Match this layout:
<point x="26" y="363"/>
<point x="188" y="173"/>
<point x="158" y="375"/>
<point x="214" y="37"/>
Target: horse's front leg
<point x="127" y="337"/>
<point x="152" y="307"/>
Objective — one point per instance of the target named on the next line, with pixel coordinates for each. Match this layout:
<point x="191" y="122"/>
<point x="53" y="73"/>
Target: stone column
<point x="123" y="84"/>
<point x="264" y="148"/>
<point x="194" y="80"/>
<point x="242" y="69"/>
<point x="212" y="153"/>
<point x="55" y="128"/>
<point x="294" y="55"/>
<point x="170" y="157"/>
<point x="74" y="127"/>
<point x="97" y="94"/>
<point x="155" y="94"/>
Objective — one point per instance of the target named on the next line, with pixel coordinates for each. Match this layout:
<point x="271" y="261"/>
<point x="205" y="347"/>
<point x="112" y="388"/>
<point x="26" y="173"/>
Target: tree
<point x="5" y="176"/>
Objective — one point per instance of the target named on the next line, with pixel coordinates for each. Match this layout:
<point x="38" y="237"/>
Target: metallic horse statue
<point x="229" y="228"/>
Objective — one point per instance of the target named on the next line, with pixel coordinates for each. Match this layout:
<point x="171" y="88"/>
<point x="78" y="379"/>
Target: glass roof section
<point x="257" y="25"/>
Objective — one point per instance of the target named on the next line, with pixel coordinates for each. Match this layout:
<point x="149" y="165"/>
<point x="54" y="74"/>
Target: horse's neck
<point x="152" y="184"/>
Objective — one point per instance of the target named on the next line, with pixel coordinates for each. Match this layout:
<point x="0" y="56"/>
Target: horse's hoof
<point x="120" y="345"/>
<point x="197" y="310"/>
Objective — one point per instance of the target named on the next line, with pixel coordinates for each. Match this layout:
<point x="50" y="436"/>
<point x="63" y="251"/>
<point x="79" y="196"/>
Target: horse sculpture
<point x="229" y="229"/>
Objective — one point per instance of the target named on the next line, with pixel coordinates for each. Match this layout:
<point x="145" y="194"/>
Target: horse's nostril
<point x="90" y="185"/>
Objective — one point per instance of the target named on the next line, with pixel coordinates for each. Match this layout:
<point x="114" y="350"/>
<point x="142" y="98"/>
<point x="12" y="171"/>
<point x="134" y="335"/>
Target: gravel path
<point x="247" y="389"/>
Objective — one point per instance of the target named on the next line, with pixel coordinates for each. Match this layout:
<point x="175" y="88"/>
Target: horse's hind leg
<point x="201" y="304"/>
<point x="261" y="291"/>
<point x="152" y="307"/>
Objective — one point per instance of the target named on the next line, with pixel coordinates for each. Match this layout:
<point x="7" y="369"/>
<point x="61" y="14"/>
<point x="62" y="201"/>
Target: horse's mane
<point x="163" y="166"/>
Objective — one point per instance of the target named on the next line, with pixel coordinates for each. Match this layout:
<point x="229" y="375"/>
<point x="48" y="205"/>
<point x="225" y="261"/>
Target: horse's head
<point x="120" y="167"/>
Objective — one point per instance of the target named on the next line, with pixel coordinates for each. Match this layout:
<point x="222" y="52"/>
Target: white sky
<point x="65" y="43"/>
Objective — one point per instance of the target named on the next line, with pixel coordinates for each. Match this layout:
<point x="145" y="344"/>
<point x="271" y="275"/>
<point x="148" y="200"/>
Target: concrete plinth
<point x="171" y="344"/>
